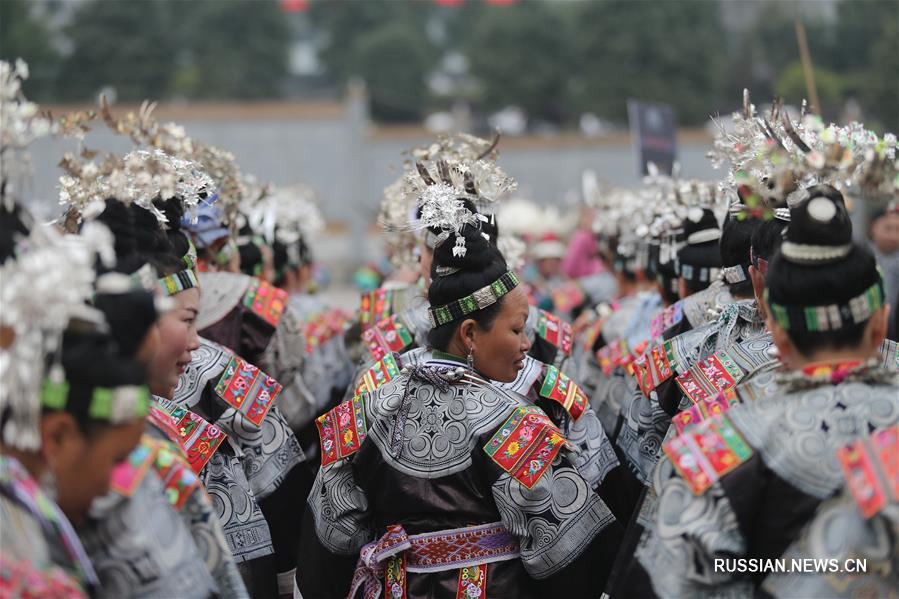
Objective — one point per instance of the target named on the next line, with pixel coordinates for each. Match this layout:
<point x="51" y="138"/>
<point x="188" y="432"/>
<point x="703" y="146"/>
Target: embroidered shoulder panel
<point x="375" y="306"/>
<point x="196" y="437"/>
<point x="525" y="445"/>
<point x="127" y="476"/>
<point x="710" y="377"/>
<point x="247" y="389"/>
<point x="342" y="430"/>
<point x="705" y="453"/>
<point x="703" y="410"/>
<point x="265" y="301"/>
<point x="871" y="470"/>
<point x="561" y="389"/>
<point x="382" y="372"/>
<point x="555" y="330"/>
<point x="387" y="336"/>
<point x="567" y="296"/>
<point x="798" y="434"/>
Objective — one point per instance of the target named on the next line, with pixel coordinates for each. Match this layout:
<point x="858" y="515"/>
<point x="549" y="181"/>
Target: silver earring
<point x="471" y="358"/>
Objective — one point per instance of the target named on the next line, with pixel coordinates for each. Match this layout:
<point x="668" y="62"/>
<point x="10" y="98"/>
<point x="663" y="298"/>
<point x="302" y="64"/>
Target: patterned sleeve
<point x="541" y="497"/>
<point x="695" y="522"/>
<point x="340" y="509"/>
<point x="338" y="504"/>
<point x="205" y="527"/>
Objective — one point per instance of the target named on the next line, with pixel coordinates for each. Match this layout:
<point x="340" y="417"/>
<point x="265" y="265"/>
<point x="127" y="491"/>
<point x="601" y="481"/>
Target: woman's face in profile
<point x="500" y="351"/>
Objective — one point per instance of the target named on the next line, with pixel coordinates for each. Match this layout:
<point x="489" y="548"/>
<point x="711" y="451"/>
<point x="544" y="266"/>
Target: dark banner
<point x="653" y="130"/>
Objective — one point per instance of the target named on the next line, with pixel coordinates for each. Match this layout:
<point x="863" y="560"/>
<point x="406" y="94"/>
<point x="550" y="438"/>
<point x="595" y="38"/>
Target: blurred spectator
<point x="582" y="258"/>
<point x="884" y="233"/>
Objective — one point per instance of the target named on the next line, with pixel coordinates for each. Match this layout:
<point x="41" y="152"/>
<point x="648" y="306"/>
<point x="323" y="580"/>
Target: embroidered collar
<point x="447" y="357"/>
<point x="20" y="486"/>
<point x="834" y="373"/>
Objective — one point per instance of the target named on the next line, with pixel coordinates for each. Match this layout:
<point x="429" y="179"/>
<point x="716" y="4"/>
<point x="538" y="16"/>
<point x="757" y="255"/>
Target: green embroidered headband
<point x="184" y="279"/>
<point x="178" y="282"/>
<point x="116" y="405"/>
<point x="480" y="299"/>
<point x="816" y="319"/>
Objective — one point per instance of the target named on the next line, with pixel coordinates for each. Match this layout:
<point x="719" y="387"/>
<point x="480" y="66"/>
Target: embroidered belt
<point x="468" y="549"/>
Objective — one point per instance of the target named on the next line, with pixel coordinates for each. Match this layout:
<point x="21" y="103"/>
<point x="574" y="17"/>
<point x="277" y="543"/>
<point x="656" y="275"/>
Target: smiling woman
<point x="441" y="461"/>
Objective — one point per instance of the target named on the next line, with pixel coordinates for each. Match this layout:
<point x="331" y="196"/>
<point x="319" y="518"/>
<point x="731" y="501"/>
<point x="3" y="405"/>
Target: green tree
<point x="383" y="42"/>
<point x="233" y="49"/>
<point x="521" y="54"/>
<point x="130" y="46"/>
<point x="670" y="52"/>
<point x="830" y="85"/>
<point x="157" y="49"/>
<point x="395" y="69"/>
<point x="24" y="36"/>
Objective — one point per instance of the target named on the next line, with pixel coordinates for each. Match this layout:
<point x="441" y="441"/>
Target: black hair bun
<point x="478" y="253"/>
<point x="697" y="220"/>
<point x="120" y="222"/>
<point x="173" y="209"/>
<point x="821" y="219"/>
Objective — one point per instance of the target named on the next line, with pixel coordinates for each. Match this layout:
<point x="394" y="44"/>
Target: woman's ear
<point x="876" y="329"/>
<point x="758" y="289"/>
<point x="467" y="332"/>
<point x="59" y="436"/>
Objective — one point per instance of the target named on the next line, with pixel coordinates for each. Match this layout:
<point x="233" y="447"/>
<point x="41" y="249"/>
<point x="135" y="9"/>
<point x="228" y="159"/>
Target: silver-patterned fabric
<point x="688" y="533"/>
<point x="797" y="435"/>
<point x="640" y="437"/>
<point x="209" y="536"/>
<point x="839" y="532"/>
<point x="441" y="428"/>
<point x="267" y="452"/>
<point x="283" y="361"/>
<point x="237" y="509"/>
<point x="340" y="509"/>
<point x="141" y="547"/>
<point x="739" y="321"/>
<point x="554" y="521"/>
<point x="702" y="307"/>
<point x="206" y="364"/>
<point x="593" y="454"/>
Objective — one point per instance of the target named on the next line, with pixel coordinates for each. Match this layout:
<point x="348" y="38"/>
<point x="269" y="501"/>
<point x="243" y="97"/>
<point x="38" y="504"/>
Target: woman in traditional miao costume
<point x="71" y="408"/>
<point x="440" y="482"/>
<point x="742" y="484"/>
<point x="157" y="532"/>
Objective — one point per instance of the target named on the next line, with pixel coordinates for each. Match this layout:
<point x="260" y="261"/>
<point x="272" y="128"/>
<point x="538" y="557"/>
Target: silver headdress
<point x="139" y="177"/>
<point x="20" y="124"/>
<point x="442" y="190"/>
<point x="45" y="286"/>
<point x="286" y="214"/>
